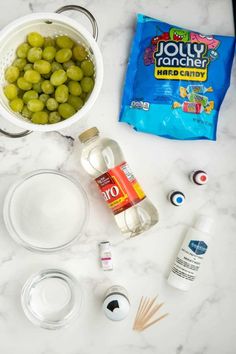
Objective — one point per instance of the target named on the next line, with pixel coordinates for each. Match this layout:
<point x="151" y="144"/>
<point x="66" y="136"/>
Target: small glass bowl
<point x="45" y="211"/>
<point x="51" y="299"/>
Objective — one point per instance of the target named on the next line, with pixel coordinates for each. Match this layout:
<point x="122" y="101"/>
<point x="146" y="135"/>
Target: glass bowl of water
<point x="51" y="299"/>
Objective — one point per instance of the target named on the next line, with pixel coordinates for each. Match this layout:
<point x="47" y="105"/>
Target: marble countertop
<point x="202" y="320"/>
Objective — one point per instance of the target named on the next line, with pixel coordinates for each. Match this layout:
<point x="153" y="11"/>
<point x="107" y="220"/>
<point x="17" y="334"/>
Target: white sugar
<point x="47" y="210"/>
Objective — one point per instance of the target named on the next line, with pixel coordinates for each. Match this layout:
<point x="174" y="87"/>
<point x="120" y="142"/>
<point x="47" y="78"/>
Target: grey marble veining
<point x="202" y="320"/>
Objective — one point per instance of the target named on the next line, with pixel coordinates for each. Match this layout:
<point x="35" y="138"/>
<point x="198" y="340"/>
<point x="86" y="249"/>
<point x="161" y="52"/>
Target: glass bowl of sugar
<point x="51" y="299"/>
<point x="46" y="211"/>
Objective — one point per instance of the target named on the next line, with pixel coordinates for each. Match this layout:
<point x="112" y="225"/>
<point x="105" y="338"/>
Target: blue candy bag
<point x="176" y="80"/>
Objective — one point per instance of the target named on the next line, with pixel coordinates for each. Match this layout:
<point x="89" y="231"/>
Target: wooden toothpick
<point x="147" y="308"/>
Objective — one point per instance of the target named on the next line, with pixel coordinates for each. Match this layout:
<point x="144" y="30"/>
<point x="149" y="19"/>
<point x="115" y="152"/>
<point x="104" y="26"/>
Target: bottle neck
<point x="90" y="140"/>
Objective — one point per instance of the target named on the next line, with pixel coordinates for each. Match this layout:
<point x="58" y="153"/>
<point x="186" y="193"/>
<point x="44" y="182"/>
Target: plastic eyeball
<point x="177" y="198"/>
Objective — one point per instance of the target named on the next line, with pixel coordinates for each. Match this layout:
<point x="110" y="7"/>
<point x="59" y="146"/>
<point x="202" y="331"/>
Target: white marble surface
<point x="202" y="320"/>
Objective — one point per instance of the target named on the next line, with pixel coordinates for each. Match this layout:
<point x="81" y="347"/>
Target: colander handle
<point x="15" y="135"/>
<point x="86" y="13"/>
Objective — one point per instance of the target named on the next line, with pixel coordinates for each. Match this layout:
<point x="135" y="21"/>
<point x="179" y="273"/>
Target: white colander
<point x="47" y="24"/>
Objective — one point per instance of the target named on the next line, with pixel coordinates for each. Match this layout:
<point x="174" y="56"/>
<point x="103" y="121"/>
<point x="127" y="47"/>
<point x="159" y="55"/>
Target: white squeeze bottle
<point x="103" y="160"/>
<point x="192" y="251"/>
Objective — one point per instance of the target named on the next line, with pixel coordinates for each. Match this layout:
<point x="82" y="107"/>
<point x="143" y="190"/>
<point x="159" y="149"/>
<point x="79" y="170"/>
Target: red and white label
<point x="120" y="188"/>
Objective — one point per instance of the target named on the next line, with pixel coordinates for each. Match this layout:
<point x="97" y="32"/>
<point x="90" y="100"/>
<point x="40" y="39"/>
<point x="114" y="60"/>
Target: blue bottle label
<point x="198" y="247"/>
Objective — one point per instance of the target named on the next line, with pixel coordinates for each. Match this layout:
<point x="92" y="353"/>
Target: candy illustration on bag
<point x="172" y="68"/>
<point x="210" y="41"/>
<point x="177" y="35"/>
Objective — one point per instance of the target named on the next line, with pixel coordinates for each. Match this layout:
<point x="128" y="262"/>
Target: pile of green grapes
<point x="50" y="80"/>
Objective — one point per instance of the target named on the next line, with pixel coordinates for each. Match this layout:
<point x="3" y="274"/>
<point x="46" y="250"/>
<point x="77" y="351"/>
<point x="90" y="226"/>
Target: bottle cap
<point x="116" y="307"/>
<point x="88" y="134"/>
<point x="105" y="246"/>
<point x="204" y="224"/>
<point x="177" y="198"/>
<point x="199" y="177"/>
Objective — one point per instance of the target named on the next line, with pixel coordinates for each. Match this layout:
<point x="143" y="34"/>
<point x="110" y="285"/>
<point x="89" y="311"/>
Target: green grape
<point x="58" y="77"/>
<point x="66" y="110"/>
<point x="20" y="63"/>
<point x="29" y="95"/>
<point x="74" y="73"/>
<point x="47" y="76"/>
<point x="35" y="105"/>
<point x="51" y="104"/>
<point x="87" y="67"/>
<point x="32" y="76"/>
<point x="37" y="87"/>
<point x="84" y="96"/>
<point x="64" y="42"/>
<point x="26" y="112"/>
<point x="67" y="64"/>
<point x="75" y="101"/>
<point x="40" y="118"/>
<point x="63" y="55"/>
<point x="56" y="66"/>
<point x="74" y="88"/>
<point x="49" y="53"/>
<point x="44" y="97"/>
<point x="61" y="93"/>
<point x="35" y="39"/>
<point x="23" y="84"/>
<point x="47" y="87"/>
<point x="54" y="117"/>
<point x="34" y="54"/>
<point x="87" y="84"/>
<point x="79" y="52"/>
<point x="20" y="93"/>
<point x="17" y="104"/>
<point x="42" y="66"/>
<point x="28" y="66"/>
<point x="22" y="50"/>
<point x="49" y="42"/>
<point x="12" y="73"/>
<point x="10" y="91"/>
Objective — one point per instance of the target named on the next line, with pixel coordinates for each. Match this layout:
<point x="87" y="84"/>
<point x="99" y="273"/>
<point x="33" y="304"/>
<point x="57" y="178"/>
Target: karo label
<point x="120" y="188"/>
<point x="198" y="247"/>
